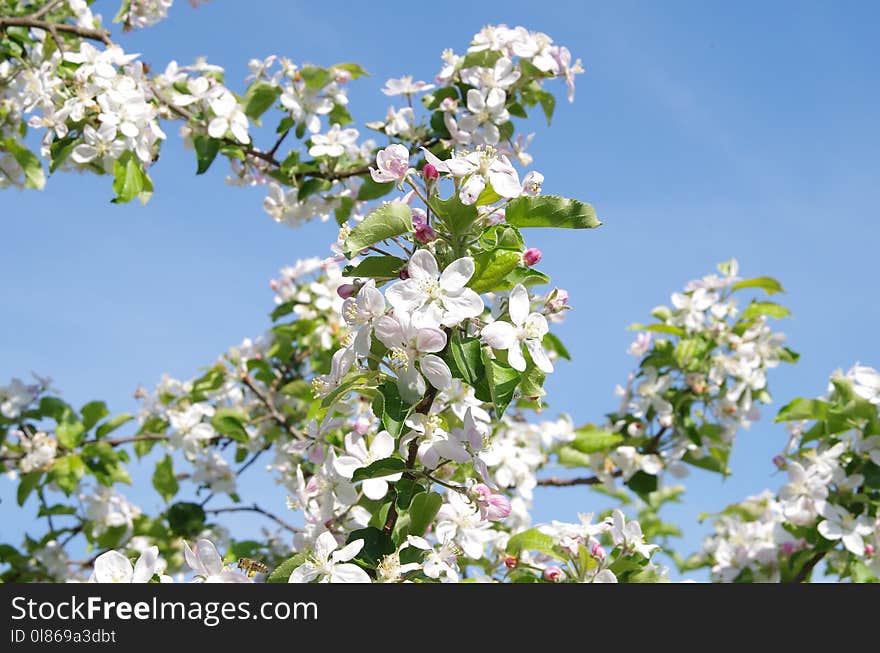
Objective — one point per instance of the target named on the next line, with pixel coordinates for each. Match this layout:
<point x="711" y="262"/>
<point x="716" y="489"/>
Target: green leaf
<point x="465" y="358"/>
<point x="642" y="483"/>
<point x="376" y="267"/>
<point x="60" y="150"/>
<point x="312" y="186"/>
<point x="590" y="440"/>
<point x="186" y="519"/>
<point x="770" y="285"/>
<point x="206" y="151"/>
<point x="70" y="434"/>
<point x="29" y="162"/>
<point x="457" y="216"/>
<point x="393" y="219"/>
<point x="379" y="469"/>
<point x="551" y="342"/>
<point x="499" y="383"/>
<point x="532" y="540"/>
<point x="377" y="545"/>
<point x="259" y="97"/>
<point x="406" y="490"/>
<point x="372" y="190"/>
<point x="27" y="484"/>
<point x="67" y="472"/>
<point x="550" y="211"/>
<point x="164" y="480"/>
<point x="281" y="573"/>
<point x="423" y="509"/>
<point x="230" y="423"/>
<point x="314" y="77"/>
<point x="491" y="268"/>
<point x="481" y="59"/>
<point x="391" y="408"/>
<point x="354" y="69"/>
<point x="129" y="179"/>
<point x="572" y="457"/>
<point x="525" y="276"/>
<point x="803" y="409"/>
<point x="92" y="413"/>
<point x="112" y="424"/>
<point x="764" y="308"/>
<point x="548" y="104"/>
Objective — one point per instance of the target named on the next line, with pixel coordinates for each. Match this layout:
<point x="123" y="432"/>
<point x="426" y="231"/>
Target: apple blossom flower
<point x="492" y="506"/>
<point x="358" y="454"/>
<point x="532" y="183"/>
<point x="433" y="298"/>
<point x="334" y="143"/>
<point x="410" y="345"/>
<point x="434" y="443"/>
<point x="228" y="116"/>
<point x="361" y="312"/>
<point x="329" y="564"/>
<point x="114" y="567"/>
<point x="438" y="563"/>
<point x="840" y="524"/>
<point x="392" y="163"/>
<point x="526" y="329"/>
<point x="487" y="111"/>
<point x="340" y="364"/>
<point x="481" y="168"/>
<point x="207" y="563"/>
<point x="405" y="86"/>
<point x="628" y="535"/>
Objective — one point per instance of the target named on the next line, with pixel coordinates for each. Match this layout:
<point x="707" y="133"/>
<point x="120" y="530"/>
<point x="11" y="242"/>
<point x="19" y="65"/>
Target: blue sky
<point x="700" y="131"/>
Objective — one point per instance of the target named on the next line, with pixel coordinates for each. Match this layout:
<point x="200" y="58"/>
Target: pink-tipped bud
<point x="425" y="234"/>
<point x="511" y="562"/>
<point x="635" y="429"/>
<point x="362" y="426"/>
<point x="553" y="573"/>
<point x="346" y="290"/>
<point x="493" y="507"/>
<point x="557" y="301"/>
<point x="419" y="218"/>
<point x="430" y="172"/>
<point x="598" y="551"/>
<point x="788" y="548"/>
<point x="869" y="549"/>
<point x="779" y="461"/>
<point x="532" y="256"/>
<point x="497" y="217"/>
<point x="273" y="284"/>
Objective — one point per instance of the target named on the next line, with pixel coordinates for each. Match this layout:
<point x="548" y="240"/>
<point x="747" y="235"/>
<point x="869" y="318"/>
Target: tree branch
<point x="266" y="400"/>
<point x="808" y="567"/>
<point x="36" y="23"/>
<point x="423" y="407"/>
<point x="257" y="509"/>
<point x="555" y="481"/>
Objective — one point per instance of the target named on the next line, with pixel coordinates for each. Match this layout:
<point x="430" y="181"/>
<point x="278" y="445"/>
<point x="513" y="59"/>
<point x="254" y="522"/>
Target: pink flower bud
<point x="558" y="300"/>
<point x="869" y="549"/>
<point x="553" y="573"/>
<point x="511" y="562"/>
<point x="788" y="548"/>
<point x="425" y="234"/>
<point x="598" y="551"/>
<point x="362" y="426"/>
<point x="493" y="507"/>
<point x="497" y="217"/>
<point x="430" y="172"/>
<point x="346" y="290"/>
<point x="273" y="284"/>
<point x="419" y="218"/>
<point x="779" y="461"/>
<point x="532" y="256"/>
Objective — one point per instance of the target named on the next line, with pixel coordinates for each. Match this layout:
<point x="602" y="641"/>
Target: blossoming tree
<point x="397" y="396"/>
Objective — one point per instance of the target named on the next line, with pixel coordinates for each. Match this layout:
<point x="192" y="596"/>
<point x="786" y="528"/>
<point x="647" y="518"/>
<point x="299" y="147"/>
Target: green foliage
<point x="393" y="219"/>
<point x="550" y="211"/>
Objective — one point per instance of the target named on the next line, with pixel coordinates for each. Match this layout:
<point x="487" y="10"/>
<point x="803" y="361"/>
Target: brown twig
<point x="255" y="508"/>
<point x="36" y="23"/>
